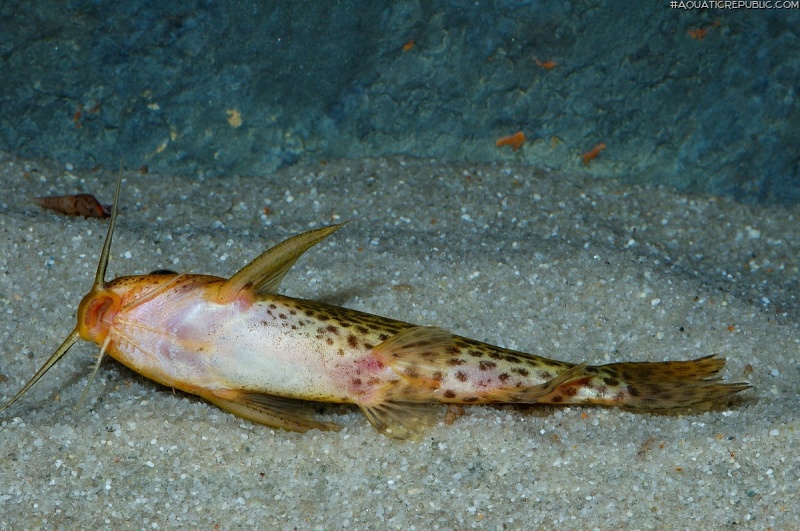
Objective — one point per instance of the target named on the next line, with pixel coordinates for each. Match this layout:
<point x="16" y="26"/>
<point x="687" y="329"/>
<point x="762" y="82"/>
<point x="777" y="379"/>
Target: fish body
<point x="255" y="349"/>
<point x="298" y="348"/>
<point x="244" y="347"/>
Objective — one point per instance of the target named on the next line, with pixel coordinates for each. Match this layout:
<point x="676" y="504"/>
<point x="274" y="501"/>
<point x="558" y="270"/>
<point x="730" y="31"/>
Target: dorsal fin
<point x="264" y="274"/>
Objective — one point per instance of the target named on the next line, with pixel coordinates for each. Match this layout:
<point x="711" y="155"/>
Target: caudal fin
<point x="649" y="385"/>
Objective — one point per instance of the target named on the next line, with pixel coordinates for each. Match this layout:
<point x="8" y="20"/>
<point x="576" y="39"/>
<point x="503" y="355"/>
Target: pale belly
<point x="274" y="347"/>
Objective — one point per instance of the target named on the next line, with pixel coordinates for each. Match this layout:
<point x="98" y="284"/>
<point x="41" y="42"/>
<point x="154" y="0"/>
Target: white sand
<point x="563" y="266"/>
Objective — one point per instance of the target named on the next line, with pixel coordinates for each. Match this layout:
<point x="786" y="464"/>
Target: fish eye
<point x="163" y="272"/>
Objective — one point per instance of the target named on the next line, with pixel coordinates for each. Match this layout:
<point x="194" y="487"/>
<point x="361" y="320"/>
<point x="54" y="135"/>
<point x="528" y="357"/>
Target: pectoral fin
<point x="264" y="274"/>
<point x="274" y="411"/>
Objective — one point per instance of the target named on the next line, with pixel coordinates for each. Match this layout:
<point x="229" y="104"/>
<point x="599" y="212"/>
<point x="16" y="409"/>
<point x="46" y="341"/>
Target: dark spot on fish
<point x="412" y="372"/>
<point x="449" y="393"/>
<point x="546" y="375"/>
<point x="475" y="353"/>
<point x="329" y="341"/>
<point x="362" y="329"/>
<point x="340" y="352"/>
<point x="591" y="370"/>
<point x="384" y="337"/>
<point x="511" y="358"/>
<point x="264" y="323"/>
<point x="438" y="376"/>
<point x="461" y="376"/>
<point x="454" y="362"/>
<point x="570" y="390"/>
<point x="486" y="365"/>
<point x="611" y="381"/>
<point x="369" y="346"/>
<point x="495" y="355"/>
<point x="356" y="381"/>
<point x="282" y="315"/>
<point x="520" y="371"/>
<point x="352" y="341"/>
<point x="557" y="399"/>
<point x="471" y="399"/>
<point x="294" y="327"/>
<point x="272" y="307"/>
<point x="332" y="329"/>
<point x="503" y="377"/>
<point x="292" y="312"/>
<point x="634" y="392"/>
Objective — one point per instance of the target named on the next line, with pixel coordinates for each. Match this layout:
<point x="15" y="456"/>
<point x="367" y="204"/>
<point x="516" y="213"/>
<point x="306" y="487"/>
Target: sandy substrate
<point x="562" y="266"/>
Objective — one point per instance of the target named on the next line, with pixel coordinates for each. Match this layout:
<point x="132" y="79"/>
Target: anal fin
<point x="274" y="411"/>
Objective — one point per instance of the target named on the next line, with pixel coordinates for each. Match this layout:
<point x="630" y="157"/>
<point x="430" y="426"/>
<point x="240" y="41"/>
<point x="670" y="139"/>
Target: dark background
<point x="703" y="100"/>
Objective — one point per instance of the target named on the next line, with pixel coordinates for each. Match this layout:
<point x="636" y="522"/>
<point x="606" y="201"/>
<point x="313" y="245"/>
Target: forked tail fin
<point x="649" y="385"/>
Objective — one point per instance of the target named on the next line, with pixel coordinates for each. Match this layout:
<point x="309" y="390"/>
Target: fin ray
<point x="649" y="386"/>
<point x="402" y="420"/>
<point x="274" y="411"/>
<point x="673" y="384"/>
<point x="264" y="274"/>
<point x="417" y="353"/>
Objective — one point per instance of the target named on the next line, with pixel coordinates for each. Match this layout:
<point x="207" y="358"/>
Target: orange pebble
<point x="547" y="65"/>
<point x="515" y="141"/>
<point x="592" y="153"/>
<point x="77" y="115"/>
<point x="698" y="34"/>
